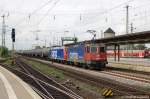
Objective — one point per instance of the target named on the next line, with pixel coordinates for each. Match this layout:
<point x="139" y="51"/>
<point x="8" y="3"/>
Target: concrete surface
<point x="12" y="87"/>
<point x="138" y="64"/>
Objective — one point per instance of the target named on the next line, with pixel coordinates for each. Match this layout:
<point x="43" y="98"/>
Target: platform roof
<point x="132" y="38"/>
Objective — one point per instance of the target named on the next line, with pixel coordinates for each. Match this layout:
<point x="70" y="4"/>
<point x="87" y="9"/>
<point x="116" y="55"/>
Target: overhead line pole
<point x="127" y="23"/>
<point x="3" y="31"/>
<point x="132" y="45"/>
<point x="132" y="27"/>
<point x="127" y="19"/>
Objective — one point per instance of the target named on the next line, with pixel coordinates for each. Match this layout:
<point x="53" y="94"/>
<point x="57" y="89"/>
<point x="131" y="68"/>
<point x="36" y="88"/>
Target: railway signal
<point x="13" y="40"/>
<point x="13" y="35"/>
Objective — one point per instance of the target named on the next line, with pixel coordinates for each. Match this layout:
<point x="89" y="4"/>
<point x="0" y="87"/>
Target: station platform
<point x="139" y="64"/>
<point x="12" y="87"/>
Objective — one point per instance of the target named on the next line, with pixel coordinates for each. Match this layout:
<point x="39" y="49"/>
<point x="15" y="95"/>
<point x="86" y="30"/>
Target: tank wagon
<point x="43" y="52"/>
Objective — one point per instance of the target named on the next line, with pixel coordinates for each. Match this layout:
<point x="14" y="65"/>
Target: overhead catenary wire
<point x="115" y="7"/>
<point x="35" y="11"/>
<point x="101" y="13"/>
<point x="39" y="8"/>
<point x="44" y="5"/>
<point x="55" y="3"/>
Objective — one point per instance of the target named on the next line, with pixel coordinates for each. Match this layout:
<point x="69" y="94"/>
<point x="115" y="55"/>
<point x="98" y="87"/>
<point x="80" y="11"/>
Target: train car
<point x="44" y="52"/>
<point x="57" y="54"/>
<point x="75" y="54"/>
<point x="129" y="53"/>
<point x="147" y="53"/>
<point x="89" y="55"/>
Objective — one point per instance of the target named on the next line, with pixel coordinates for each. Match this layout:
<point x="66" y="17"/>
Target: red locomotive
<point x="87" y="55"/>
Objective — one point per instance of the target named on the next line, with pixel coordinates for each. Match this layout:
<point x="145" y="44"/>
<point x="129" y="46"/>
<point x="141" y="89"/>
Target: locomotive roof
<point x="60" y="47"/>
<point x="82" y="43"/>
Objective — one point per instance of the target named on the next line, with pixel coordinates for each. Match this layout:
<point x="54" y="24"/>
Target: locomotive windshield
<point x="102" y="49"/>
<point x="93" y="49"/>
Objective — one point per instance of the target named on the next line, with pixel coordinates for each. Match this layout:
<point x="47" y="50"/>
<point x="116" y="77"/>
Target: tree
<point x="4" y="51"/>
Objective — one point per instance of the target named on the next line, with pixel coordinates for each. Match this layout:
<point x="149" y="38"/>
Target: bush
<point x="4" y="52"/>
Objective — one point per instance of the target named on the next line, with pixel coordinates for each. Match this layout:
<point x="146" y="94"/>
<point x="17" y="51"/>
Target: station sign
<point x="69" y="38"/>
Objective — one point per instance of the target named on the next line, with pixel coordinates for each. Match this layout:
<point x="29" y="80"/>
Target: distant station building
<point x="109" y="33"/>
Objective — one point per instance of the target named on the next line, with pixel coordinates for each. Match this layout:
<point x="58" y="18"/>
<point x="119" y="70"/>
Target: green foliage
<point x="46" y="69"/>
<point x="8" y="61"/>
<point x="4" y="52"/>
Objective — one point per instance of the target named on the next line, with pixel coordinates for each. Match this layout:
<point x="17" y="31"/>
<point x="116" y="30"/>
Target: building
<point x="109" y="33"/>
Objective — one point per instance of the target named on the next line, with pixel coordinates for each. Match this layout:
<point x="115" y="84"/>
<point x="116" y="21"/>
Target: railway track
<point x="117" y="87"/>
<point x="128" y="75"/>
<point x="42" y="84"/>
<point x="54" y="90"/>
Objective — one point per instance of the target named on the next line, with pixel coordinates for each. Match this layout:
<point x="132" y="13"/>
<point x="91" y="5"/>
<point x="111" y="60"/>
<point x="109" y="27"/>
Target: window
<point x="102" y="49"/>
<point x="93" y="49"/>
<point x="88" y="49"/>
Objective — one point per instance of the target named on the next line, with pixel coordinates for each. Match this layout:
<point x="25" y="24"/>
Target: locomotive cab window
<point x="93" y="49"/>
<point x="88" y="49"/>
<point x="102" y="49"/>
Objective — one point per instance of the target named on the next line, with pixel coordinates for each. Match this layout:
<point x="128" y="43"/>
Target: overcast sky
<point x="49" y="19"/>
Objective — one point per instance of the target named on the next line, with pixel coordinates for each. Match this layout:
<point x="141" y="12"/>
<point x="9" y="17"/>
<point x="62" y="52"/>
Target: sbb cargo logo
<point x="54" y="54"/>
<point x="73" y="56"/>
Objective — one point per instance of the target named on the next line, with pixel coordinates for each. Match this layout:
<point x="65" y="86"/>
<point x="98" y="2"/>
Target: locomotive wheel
<point x="85" y="66"/>
<point x="103" y="65"/>
<point x="90" y="67"/>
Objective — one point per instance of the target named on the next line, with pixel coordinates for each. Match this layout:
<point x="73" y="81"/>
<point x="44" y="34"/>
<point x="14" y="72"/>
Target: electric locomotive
<point x="87" y="55"/>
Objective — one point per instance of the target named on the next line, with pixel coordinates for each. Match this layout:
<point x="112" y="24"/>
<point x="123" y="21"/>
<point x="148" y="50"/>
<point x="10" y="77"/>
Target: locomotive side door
<point x="87" y="53"/>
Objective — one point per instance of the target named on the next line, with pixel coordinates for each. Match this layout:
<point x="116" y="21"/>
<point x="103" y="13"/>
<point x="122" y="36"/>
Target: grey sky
<point x="61" y="15"/>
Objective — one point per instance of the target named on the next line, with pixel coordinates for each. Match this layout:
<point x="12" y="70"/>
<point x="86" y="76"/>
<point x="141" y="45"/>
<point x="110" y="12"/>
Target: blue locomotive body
<point x="57" y="53"/>
<point x="75" y="53"/>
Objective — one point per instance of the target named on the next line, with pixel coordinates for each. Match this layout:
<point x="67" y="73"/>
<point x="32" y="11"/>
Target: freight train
<point x="85" y="55"/>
